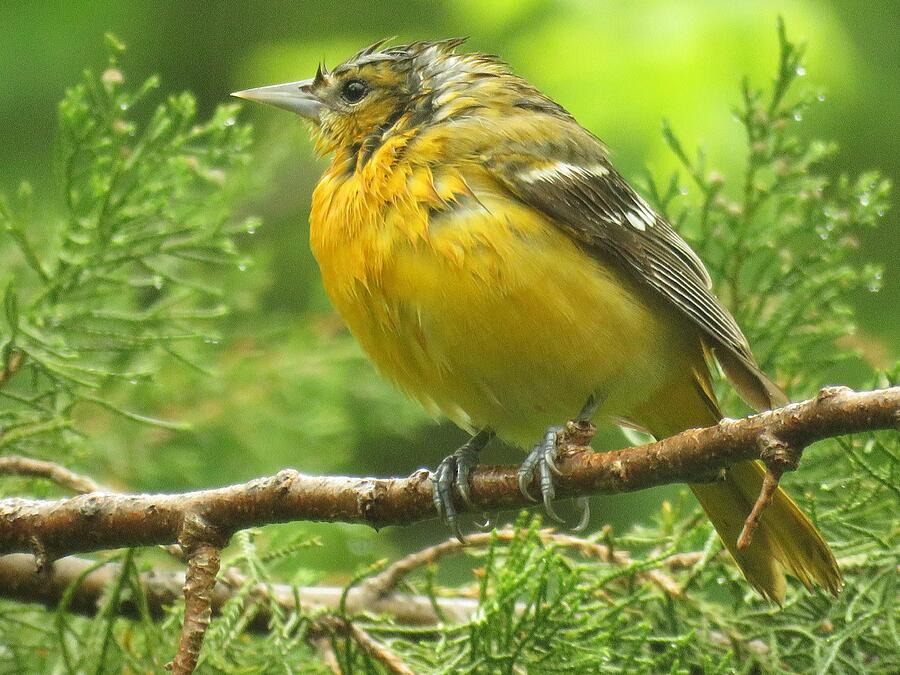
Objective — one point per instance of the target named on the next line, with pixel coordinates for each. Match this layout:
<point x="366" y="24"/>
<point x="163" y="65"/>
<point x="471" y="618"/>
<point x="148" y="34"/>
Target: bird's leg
<point x="542" y="461"/>
<point x="589" y="409"/>
<point x="454" y="471"/>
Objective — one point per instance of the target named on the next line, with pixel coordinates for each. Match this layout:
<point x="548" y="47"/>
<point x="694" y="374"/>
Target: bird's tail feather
<point x="785" y="540"/>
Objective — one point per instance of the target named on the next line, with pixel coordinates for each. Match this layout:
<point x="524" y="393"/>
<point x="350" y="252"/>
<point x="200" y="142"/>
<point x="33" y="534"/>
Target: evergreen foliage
<point x="100" y="295"/>
<point x="117" y="286"/>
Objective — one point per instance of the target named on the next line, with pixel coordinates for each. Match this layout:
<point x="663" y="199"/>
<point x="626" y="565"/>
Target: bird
<point x="497" y="268"/>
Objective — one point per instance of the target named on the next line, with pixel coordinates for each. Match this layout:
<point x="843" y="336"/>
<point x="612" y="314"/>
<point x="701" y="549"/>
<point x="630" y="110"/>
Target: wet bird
<point x="497" y="268"/>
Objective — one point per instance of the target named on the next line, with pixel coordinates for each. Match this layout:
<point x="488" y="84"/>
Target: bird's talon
<point x="542" y="461"/>
<point x="585" y="507"/>
<point x="551" y="464"/>
<point x="523" y="488"/>
<point x="454" y="526"/>
<point x="464" y="494"/>
<point x="548" y="509"/>
<point x="526" y="472"/>
<point x="453" y="472"/>
<point x="487" y="522"/>
<point x="465" y="460"/>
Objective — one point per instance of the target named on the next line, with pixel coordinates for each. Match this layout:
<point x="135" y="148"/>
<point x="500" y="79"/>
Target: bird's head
<point x="380" y="91"/>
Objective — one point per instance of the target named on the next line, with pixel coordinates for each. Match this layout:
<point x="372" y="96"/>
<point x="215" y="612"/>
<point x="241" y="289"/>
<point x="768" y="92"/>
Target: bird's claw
<point x="486" y="522"/>
<point x="452" y="472"/>
<point x="585" y="505"/>
<point x="542" y="461"/>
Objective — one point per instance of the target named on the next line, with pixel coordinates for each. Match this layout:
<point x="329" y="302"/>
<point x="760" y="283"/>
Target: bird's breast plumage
<point x="473" y="303"/>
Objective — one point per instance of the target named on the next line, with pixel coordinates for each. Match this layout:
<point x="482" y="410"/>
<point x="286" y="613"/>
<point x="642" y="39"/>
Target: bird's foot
<point x="541" y="462"/>
<point x="452" y="473"/>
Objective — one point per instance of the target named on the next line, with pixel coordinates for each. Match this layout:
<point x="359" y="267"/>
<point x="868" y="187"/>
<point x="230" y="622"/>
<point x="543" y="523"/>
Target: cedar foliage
<point x="120" y="286"/>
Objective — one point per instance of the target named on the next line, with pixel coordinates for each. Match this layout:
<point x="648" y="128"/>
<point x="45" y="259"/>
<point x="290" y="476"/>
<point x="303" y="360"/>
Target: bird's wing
<point x="583" y="194"/>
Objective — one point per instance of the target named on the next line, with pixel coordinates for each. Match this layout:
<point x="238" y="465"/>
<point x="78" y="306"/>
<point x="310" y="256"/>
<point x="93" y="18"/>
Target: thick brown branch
<point x="102" y="520"/>
<point x="16" y="465"/>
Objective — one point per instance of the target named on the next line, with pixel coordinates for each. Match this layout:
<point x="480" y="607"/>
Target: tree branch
<point x="103" y="520"/>
<point x="383" y="583"/>
<point x="15" y="465"/>
<point x="20" y="581"/>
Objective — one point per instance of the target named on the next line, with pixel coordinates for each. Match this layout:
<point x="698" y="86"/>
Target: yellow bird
<point x="497" y="268"/>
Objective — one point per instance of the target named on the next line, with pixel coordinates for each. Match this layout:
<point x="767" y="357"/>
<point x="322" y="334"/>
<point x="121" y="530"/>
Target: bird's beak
<point x="293" y="96"/>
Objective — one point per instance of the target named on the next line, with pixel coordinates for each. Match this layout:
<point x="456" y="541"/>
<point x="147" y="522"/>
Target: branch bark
<point x="20" y="581"/>
<point x="98" y="521"/>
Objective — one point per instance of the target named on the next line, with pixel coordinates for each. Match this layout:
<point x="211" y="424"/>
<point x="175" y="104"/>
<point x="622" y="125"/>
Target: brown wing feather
<point x="585" y="196"/>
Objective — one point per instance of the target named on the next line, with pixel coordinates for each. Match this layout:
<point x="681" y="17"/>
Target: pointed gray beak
<point x="293" y="96"/>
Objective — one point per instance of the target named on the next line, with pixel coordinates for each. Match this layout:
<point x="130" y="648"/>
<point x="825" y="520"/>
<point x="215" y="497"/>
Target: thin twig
<point x="322" y="644"/>
<point x="779" y="456"/>
<point x="13" y="363"/>
<point x="370" y="645"/>
<point x="387" y="580"/>
<point x="15" y="465"/>
<point x="766" y="493"/>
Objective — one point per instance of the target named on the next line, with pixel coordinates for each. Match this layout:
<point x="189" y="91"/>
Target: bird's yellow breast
<point x="477" y="305"/>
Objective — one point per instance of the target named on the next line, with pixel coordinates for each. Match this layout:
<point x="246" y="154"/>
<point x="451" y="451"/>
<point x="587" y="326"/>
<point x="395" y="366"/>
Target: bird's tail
<point x="785" y="539"/>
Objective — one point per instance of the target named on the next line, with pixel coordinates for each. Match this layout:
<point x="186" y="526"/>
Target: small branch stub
<point x="779" y="456"/>
<point x="766" y="493"/>
<point x="201" y="543"/>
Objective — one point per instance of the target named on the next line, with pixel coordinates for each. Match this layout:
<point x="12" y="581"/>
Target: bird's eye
<point x="353" y="91"/>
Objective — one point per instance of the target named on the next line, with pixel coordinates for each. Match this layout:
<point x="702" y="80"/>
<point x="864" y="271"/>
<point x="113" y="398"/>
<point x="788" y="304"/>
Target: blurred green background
<point x="289" y="387"/>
